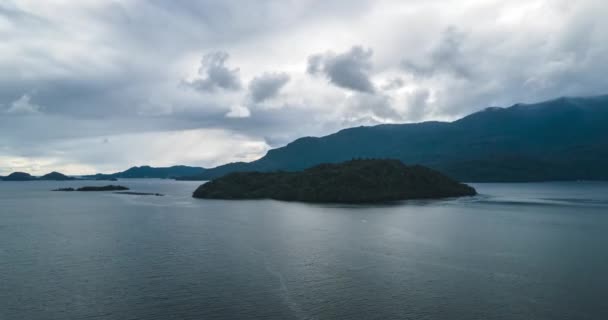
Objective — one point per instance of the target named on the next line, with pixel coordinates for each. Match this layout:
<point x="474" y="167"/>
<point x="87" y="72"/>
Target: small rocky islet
<point x="141" y="193"/>
<point x="116" y="189"/>
<point x="94" y="188"/>
<point x="355" y="181"/>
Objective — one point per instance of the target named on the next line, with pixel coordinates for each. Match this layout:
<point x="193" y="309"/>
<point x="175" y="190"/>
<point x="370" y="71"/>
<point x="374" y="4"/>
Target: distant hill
<point x="561" y="139"/>
<point x="150" y="172"/>
<point x="55" y="176"/>
<point x="19" y="176"/>
<point x="23" y="176"/>
<point x="356" y="181"/>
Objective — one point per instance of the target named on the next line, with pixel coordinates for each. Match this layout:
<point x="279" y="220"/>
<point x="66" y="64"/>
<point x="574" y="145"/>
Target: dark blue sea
<point x="516" y="251"/>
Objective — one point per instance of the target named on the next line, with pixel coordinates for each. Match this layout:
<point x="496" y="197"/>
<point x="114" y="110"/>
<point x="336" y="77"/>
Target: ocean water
<point x="516" y="251"/>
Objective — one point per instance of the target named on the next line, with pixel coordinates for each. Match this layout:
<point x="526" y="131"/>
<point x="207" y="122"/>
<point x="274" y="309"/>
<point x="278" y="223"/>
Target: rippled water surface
<point x="517" y="251"/>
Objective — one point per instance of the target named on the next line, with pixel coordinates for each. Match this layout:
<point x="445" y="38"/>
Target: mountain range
<point x="560" y="139"/>
<point x="150" y="172"/>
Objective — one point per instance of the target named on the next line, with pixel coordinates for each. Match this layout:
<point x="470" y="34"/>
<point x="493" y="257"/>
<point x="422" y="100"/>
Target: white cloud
<point x="23" y="105"/>
<point x="238" y="112"/>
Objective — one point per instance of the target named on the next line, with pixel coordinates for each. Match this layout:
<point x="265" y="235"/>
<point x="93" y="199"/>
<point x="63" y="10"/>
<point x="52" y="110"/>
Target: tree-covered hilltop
<point x="56" y="176"/>
<point x="19" y="176"/>
<point x="355" y="181"/>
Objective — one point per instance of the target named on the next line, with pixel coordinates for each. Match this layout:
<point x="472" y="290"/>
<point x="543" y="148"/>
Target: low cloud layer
<point x="203" y="83"/>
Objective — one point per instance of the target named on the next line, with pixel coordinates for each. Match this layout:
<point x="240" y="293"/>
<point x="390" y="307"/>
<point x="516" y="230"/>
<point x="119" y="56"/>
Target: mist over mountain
<point x="561" y="139"/>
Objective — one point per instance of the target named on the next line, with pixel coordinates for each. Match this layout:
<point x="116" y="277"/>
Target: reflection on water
<point x="516" y="251"/>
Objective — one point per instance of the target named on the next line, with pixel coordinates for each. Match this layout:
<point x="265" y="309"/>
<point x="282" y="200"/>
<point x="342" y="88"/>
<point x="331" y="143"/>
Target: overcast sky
<point x="100" y="85"/>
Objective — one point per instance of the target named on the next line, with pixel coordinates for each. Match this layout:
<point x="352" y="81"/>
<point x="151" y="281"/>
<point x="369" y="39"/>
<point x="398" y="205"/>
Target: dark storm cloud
<point x="102" y="95"/>
<point x="349" y="70"/>
<point x="214" y="74"/>
<point x="267" y="85"/>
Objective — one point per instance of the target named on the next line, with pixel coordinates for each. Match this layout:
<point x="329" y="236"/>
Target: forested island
<point x="355" y="181"/>
<point x="19" y="176"/>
